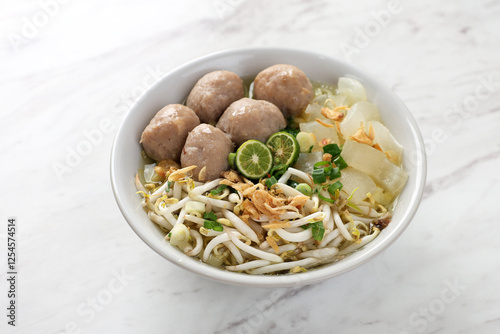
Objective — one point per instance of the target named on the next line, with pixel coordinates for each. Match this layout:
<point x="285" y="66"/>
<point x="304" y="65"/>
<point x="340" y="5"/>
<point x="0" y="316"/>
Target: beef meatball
<point x="251" y="119"/>
<point x="206" y="146"/>
<point x="286" y="86"/>
<point x="165" y="135"/>
<point x="213" y="93"/>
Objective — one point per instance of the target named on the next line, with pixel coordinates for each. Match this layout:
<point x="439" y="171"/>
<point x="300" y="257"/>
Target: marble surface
<point x="70" y="70"/>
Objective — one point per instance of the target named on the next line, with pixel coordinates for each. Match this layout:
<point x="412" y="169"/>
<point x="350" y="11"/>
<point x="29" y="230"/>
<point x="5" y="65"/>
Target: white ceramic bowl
<point x="174" y="88"/>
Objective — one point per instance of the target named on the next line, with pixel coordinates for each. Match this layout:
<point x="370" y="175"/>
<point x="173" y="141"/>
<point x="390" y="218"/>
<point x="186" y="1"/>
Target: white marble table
<point x="69" y="71"/>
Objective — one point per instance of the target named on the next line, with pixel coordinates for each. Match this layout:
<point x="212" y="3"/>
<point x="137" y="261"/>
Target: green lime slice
<point x="285" y="148"/>
<point x="254" y="159"/>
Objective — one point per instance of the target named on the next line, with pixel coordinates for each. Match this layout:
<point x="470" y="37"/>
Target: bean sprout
<point x="249" y="265"/>
<point x="295" y="172"/>
<point x="294" y="237"/>
<point x="284" y="266"/>
<point x="360" y="243"/>
<point x="241" y="226"/>
<point x="320" y="253"/>
<point x="253" y="251"/>
<point x="199" y="243"/>
<point x="341" y="227"/>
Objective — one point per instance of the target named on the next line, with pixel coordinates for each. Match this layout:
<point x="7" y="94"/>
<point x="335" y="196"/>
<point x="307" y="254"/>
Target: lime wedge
<point x="285" y="148"/>
<point x="231" y="160"/>
<point x="254" y="159"/>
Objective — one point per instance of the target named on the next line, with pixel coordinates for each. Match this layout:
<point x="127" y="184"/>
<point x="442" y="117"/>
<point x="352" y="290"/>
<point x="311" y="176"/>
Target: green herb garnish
<point x="317" y="229"/>
<point x="292" y="131"/>
<point x="218" y="190"/>
<point x="329" y="200"/>
<point x="210" y="216"/>
<point x="270" y="181"/>
<point x="278" y="170"/>
<point x="335" y="187"/>
<point x="211" y="222"/>
<point x="339" y="162"/>
<point x="332" y="149"/>
<point x="319" y="176"/>
<point x="213" y="225"/>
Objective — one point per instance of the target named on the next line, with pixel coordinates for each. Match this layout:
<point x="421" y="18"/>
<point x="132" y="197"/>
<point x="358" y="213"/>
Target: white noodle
<point x="214" y="202"/>
<point x="235" y="251"/>
<point x="284" y="266"/>
<point x="199" y="243"/>
<point x="174" y="207"/>
<point x="320" y="253"/>
<point x="294" y="229"/>
<point x="171" y="219"/>
<point x="224" y="194"/>
<point x="234" y="198"/>
<point x="317" y="216"/>
<point x="205" y="187"/>
<point x="210" y="233"/>
<point x="283" y="248"/>
<point x="264" y="245"/>
<point x="295" y="172"/>
<point x="241" y="226"/>
<point x="287" y="190"/>
<point x="312" y="204"/>
<point x="216" y="241"/>
<point x="362" y="219"/>
<point x="341" y="227"/>
<point x="294" y="237"/>
<point x="159" y="220"/>
<point x="360" y="243"/>
<point x="194" y="219"/>
<point x="285" y="216"/>
<point x="253" y="251"/>
<point x="329" y="237"/>
<point x="178" y="190"/>
<point x="159" y="191"/>
<point x="367" y="211"/>
<point x="328" y="222"/>
<point x="180" y="219"/>
<point x="249" y="265"/>
<point x="337" y="241"/>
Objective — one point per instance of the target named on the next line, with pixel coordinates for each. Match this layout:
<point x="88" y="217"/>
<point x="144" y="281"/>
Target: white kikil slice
<point x="338" y="100"/>
<point x="359" y="112"/>
<point x="352" y="89"/>
<point x="320" y="131"/>
<point x="352" y="178"/>
<point x="384" y="138"/>
<point x="313" y="111"/>
<point x="382" y="196"/>
<point x="374" y="163"/>
<point x="306" y="161"/>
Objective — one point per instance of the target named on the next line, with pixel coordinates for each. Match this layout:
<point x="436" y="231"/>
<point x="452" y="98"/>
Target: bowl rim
<point x="313" y="276"/>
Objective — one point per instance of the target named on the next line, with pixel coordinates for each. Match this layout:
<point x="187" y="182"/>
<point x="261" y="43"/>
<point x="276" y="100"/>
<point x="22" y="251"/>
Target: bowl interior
<point x="174" y="88"/>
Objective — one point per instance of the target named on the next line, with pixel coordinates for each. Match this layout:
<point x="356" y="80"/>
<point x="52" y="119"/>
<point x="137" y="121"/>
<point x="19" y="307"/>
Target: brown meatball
<point x="213" y="93"/>
<point x="286" y="86"/>
<point x="206" y="146"/>
<point x="251" y="119"/>
<point x="165" y="135"/>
